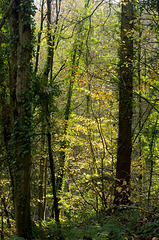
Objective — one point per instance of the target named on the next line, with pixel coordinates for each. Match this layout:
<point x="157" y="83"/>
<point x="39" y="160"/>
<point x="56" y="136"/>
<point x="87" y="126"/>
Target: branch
<point x="78" y="22"/>
<point x="61" y="68"/>
<point x="89" y="16"/>
<point x="139" y="208"/>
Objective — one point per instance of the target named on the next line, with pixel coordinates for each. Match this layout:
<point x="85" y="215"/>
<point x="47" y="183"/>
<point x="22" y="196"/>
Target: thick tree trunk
<point x="122" y="184"/>
<point x="21" y="20"/>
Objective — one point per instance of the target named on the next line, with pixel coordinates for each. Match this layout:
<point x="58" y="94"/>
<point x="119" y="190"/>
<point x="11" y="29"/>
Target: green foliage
<point x="149" y="228"/>
<point x="85" y="39"/>
<point x="124" y="224"/>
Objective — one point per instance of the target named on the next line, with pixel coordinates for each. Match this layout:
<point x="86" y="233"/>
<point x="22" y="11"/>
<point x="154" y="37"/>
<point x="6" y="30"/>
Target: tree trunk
<point x="122" y="184"/>
<point x="21" y="20"/>
<point x="39" y="38"/>
<point x="52" y="168"/>
<point x="151" y="158"/>
<point x="42" y="179"/>
<point x="140" y="111"/>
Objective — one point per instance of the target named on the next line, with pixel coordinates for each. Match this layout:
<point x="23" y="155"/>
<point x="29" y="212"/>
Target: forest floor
<point x="131" y="224"/>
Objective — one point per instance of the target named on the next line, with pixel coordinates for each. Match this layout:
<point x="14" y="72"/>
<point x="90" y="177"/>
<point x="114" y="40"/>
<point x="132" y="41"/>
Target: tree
<point x="21" y="40"/>
<point x="122" y="184"/>
<point x="77" y="85"/>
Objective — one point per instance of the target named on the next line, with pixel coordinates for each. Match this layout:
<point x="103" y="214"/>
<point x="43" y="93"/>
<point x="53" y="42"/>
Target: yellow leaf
<point x="124" y="182"/>
<point x="119" y="189"/>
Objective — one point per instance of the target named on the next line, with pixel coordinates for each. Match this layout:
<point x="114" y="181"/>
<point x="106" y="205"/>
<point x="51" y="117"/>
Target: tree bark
<point x="20" y="79"/>
<point x="122" y="184"/>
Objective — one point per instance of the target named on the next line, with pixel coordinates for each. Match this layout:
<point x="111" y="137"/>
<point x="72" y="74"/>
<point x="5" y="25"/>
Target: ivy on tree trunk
<point x="20" y="22"/>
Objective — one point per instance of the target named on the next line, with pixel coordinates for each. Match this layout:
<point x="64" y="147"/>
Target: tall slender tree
<point x="122" y="188"/>
<point x="47" y="81"/>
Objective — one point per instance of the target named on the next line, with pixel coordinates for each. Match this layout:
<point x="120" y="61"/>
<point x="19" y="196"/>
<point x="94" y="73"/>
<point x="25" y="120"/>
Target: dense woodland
<point x="79" y="119"/>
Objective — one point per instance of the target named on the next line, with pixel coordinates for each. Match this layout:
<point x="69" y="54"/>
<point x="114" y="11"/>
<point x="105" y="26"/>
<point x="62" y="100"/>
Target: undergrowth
<point x="120" y="225"/>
